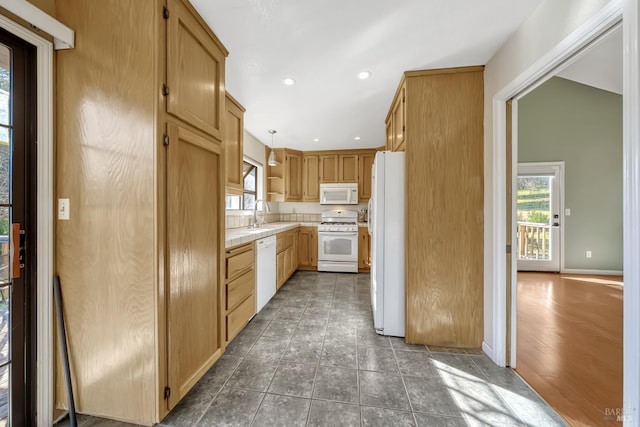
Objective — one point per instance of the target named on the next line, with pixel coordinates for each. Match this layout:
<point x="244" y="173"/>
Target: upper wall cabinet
<point x="395" y="124"/>
<point x="329" y="168"/>
<point x="284" y="181"/>
<point x="233" y="146"/>
<point x="365" y="163"/>
<point x="293" y="177"/>
<point x="348" y="167"/>
<point x="195" y="71"/>
<point x="311" y="178"/>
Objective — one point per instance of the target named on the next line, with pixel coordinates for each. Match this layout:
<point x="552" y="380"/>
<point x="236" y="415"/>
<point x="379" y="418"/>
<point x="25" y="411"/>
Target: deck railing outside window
<point x="533" y="241"/>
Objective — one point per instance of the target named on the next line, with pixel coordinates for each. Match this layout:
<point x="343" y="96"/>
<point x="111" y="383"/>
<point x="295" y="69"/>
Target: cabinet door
<point x="310" y="178"/>
<point x="304" y="256"/>
<point x="348" y="168"/>
<point x="364" y="249"/>
<point x="294" y="177"/>
<point x="398" y="117"/>
<point x="308" y="247"/>
<point x="329" y="168"/>
<point x="195" y="71"/>
<point x="389" y="136"/>
<point x="233" y="147"/>
<point x="280" y="269"/>
<point x="194" y="248"/>
<point x="365" y="163"/>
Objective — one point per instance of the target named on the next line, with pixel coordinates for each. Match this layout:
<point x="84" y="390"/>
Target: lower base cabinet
<point x="286" y="255"/>
<point x="364" y="250"/>
<point x="240" y="285"/>
<point x="308" y="248"/>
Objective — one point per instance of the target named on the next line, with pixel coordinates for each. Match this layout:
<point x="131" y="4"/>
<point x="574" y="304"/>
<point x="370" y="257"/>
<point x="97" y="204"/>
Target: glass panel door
<point x="538" y="223"/>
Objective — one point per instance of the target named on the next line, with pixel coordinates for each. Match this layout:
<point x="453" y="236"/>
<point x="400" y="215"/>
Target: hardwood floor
<point x="569" y="343"/>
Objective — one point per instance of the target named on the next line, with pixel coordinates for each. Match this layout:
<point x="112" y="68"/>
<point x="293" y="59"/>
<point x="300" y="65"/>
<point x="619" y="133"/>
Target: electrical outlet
<point x="588" y="254"/>
<point x="63" y="209"/>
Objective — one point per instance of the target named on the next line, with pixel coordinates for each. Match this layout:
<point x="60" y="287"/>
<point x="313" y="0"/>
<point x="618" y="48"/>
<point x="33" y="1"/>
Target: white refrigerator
<point x="386" y="227"/>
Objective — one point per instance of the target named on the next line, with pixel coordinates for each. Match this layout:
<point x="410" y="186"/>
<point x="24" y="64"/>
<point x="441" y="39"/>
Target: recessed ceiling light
<point x="289" y="81"/>
<point x="357" y="138"/>
<point x="362" y="75"/>
<point x="316" y="139"/>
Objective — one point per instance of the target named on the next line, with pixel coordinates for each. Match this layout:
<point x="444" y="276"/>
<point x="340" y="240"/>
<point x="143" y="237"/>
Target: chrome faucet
<point x="255" y="210"/>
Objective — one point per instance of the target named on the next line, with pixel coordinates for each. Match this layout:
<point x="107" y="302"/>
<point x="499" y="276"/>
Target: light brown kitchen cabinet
<point x="328" y="168"/>
<point x="310" y="178"/>
<point x="365" y="163"/>
<point x="195" y="70"/>
<point x="396" y="121"/>
<point x="389" y="134"/>
<point x="308" y="248"/>
<point x="286" y="255"/>
<point x="364" y="250"/>
<point x="443" y="142"/>
<point x="240" y="298"/>
<point x="233" y="146"/>
<point x="142" y="260"/>
<point x="293" y="176"/>
<point x="284" y="181"/>
<point x="348" y="167"/>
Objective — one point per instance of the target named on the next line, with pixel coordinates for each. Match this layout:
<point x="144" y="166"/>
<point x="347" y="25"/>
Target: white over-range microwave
<point x="339" y="194"/>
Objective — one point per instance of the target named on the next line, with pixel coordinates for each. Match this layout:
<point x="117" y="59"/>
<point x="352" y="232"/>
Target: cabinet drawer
<point x="239" y="289"/>
<point x="240" y="316"/>
<point x="289" y="240"/>
<point x="280" y="240"/>
<point x="236" y="263"/>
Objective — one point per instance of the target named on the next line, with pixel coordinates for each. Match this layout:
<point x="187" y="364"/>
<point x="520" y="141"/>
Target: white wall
<point x="550" y="23"/>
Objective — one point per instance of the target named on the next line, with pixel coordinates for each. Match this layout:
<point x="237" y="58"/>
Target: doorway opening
<point x="575" y="313"/>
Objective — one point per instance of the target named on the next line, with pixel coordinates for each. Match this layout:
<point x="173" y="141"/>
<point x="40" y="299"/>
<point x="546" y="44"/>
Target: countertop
<point x="239" y="236"/>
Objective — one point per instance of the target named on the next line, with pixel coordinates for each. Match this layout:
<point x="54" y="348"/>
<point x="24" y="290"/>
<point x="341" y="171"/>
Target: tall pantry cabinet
<point x="140" y="122"/>
<point x="437" y="119"/>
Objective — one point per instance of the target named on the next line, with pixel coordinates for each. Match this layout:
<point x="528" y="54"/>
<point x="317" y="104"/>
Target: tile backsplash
<point x="243" y="221"/>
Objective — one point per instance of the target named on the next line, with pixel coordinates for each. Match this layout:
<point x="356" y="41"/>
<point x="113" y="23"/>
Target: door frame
<point x="610" y="15"/>
<point x="514" y="202"/>
<point x="44" y="218"/>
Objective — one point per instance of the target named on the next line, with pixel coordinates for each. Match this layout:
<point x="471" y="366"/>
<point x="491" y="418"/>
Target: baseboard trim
<point x="488" y="350"/>
<point x="594" y="272"/>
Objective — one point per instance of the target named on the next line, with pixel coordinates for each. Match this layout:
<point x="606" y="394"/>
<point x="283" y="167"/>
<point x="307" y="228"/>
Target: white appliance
<point x="265" y="271"/>
<point x="338" y="241"/>
<point x="339" y="194"/>
<point x="386" y="227"/>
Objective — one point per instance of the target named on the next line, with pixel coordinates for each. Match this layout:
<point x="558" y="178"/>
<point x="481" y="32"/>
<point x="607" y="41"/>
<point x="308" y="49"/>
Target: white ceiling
<point x="601" y="64"/>
<point x="323" y="44"/>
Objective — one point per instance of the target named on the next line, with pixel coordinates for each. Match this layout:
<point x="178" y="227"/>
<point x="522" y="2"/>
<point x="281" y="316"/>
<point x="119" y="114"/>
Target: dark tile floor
<point x="312" y="358"/>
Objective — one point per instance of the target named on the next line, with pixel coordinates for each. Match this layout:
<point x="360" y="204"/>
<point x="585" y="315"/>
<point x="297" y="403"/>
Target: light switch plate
<point x="567" y="212"/>
<point x="63" y="209"/>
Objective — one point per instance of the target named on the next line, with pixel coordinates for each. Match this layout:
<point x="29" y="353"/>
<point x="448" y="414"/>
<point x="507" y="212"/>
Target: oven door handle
<point x="337" y="233"/>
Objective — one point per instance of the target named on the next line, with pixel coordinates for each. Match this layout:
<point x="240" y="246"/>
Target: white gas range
<point x="338" y="241"/>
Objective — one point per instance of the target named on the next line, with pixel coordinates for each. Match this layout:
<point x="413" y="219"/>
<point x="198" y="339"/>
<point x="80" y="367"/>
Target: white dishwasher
<point x="265" y="271"/>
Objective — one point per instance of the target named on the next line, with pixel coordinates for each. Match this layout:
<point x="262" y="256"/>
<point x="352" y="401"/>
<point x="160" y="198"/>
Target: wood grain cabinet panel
<point x="444" y="230"/>
<point x="398" y="116"/>
<point x="365" y="163"/>
<point x="293" y="178"/>
<point x="192" y="229"/>
<point x="308" y="248"/>
<point x="311" y="178"/>
<point x="364" y="249"/>
<point x="195" y="71"/>
<point x="328" y="168"/>
<point x="238" y="318"/>
<point x="348" y="167"/>
<point x="142" y="259"/>
<point x="233" y="146"/>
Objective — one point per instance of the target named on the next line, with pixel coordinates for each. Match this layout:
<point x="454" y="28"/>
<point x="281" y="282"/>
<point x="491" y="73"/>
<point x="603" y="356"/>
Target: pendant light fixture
<point x="272" y="156"/>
